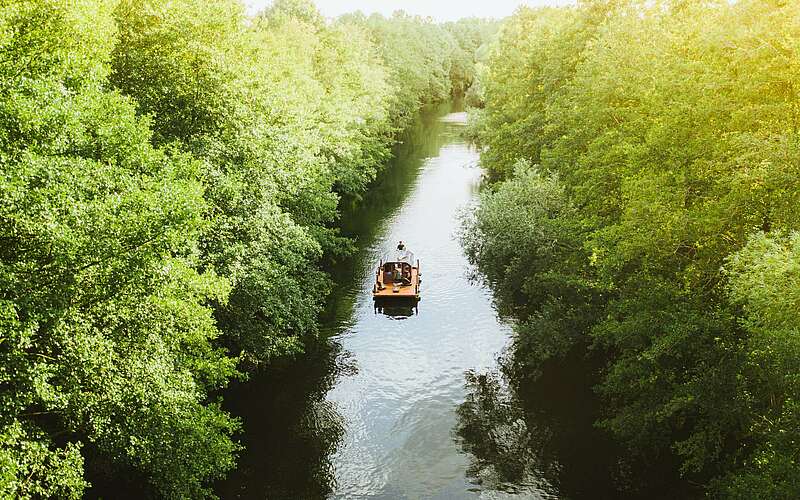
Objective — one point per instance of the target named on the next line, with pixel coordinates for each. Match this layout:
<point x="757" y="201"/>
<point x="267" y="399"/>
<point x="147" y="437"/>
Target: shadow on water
<point x="537" y="435"/>
<point x="541" y="434"/>
<point x="397" y="311"/>
<point x="290" y="429"/>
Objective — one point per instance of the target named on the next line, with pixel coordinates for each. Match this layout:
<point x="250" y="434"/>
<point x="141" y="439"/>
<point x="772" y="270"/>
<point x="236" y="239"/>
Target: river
<point x="409" y="403"/>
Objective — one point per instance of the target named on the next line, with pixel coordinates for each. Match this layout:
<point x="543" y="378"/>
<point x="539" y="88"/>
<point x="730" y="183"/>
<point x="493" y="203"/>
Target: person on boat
<point x="401" y="276"/>
<point x="401" y="246"/>
<point x="397" y="274"/>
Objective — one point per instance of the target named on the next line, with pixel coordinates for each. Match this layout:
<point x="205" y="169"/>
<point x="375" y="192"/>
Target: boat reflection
<point x="397" y="309"/>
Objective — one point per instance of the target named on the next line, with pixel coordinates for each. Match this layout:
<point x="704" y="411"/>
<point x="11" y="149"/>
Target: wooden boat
<point x="397" y="278"/>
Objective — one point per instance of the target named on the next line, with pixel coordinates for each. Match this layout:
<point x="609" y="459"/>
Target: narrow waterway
<point x="379" y="410"/>
<point x="398" y="406"/>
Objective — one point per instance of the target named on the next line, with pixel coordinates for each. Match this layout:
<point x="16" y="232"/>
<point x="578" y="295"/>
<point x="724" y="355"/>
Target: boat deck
<point x="405" y="292"/>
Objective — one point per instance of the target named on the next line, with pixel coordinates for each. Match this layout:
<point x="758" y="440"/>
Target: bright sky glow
<point x="441" y="10"/>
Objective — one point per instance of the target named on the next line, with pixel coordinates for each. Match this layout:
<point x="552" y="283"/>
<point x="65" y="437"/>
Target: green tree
<point x="674" y="142"/>
<point x="106" y="338"/>
<point x="268" y="186"/>
<point x="765" y="283"/>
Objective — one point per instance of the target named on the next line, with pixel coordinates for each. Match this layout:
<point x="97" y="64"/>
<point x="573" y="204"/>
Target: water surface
<point x="399" y="408"/>
<point x="378" y="410"/>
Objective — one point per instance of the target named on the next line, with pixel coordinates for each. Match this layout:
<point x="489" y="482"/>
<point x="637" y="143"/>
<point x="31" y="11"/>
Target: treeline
<point x="646" y="218"/>
<point x="169" y="182"/>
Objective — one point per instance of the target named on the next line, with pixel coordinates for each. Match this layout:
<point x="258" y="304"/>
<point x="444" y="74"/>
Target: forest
<point x="171" y="173"/>
<point x="172" y="179"/>
<point x="643" y="216"/>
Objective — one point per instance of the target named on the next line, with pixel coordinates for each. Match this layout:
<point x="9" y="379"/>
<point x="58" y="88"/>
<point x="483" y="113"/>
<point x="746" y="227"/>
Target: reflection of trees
<point x="506" y="454"/>
<point x="291" y="431"/>
<point x="525" y="435"/>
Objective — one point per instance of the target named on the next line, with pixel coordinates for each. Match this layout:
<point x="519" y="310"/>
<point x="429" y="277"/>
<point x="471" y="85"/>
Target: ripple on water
<point x="399" y="409"/>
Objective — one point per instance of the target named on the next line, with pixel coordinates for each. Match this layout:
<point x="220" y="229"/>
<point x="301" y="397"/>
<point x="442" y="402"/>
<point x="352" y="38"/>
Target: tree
<point x="106" y="338"/>
<point x="674" y="143"/>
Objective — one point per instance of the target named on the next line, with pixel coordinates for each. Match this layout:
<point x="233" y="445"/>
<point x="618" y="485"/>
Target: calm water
<point x="409" y="403"/>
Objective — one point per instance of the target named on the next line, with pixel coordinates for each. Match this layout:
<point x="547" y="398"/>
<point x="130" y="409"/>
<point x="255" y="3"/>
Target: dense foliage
<point x="646" y="214"/>
<point x="169" y="181"/>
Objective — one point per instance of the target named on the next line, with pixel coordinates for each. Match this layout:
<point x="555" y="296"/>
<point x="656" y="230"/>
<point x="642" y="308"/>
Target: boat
<point x="397" y="278"/>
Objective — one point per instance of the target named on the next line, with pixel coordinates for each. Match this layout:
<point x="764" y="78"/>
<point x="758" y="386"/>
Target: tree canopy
<point x="655" y="226"/>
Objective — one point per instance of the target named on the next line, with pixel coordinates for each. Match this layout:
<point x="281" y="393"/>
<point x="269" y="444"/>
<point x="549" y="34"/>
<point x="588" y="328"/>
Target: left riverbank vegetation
<point x="171" y="172"/>
<point x="645" y="218"/>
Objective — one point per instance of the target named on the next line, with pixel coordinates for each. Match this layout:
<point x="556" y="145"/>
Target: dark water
<point x="410" y="403"/>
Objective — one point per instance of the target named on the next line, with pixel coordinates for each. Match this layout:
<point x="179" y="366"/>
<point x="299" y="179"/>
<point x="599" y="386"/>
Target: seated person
<point x="401" y="276"/>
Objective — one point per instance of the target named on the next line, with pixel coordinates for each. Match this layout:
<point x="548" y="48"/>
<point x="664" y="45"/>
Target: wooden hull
<point x="391" y="292"/>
